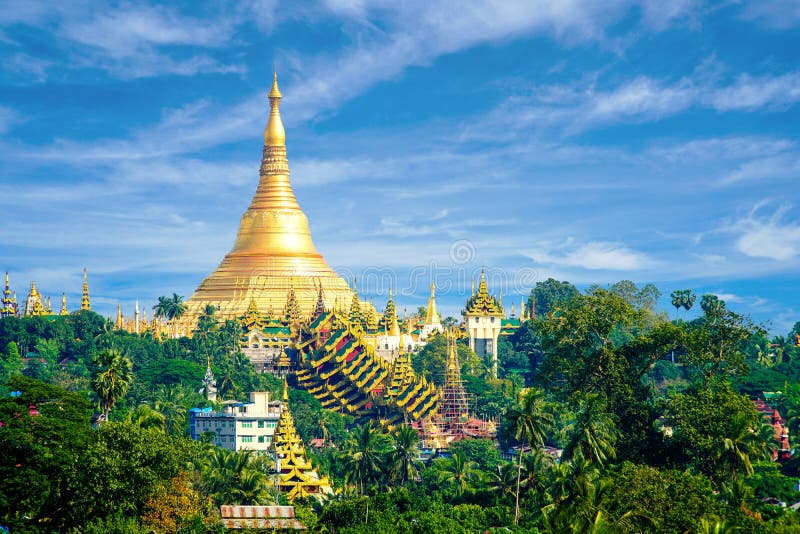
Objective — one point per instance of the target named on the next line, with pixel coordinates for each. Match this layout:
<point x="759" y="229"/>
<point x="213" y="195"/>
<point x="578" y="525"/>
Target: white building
<point x="240" y="425"/>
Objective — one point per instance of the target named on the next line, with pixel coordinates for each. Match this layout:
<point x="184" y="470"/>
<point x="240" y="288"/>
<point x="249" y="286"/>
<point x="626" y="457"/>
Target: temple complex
<point x="296" y="475"/>
<point x="273" y="254"/>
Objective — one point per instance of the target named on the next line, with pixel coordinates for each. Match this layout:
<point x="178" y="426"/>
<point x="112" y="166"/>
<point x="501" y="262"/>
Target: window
<point x="261" y="439"/>
<point x="247" y="439"/>
<point x="261" y="424"/>
<point x="247" y="424"/>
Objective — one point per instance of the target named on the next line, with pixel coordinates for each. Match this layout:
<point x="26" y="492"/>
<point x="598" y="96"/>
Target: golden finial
<point x="275" y="135"/>
<point x="473" y="287"/>
<point x="285" y="392"/>
<point x="64" y="304"/>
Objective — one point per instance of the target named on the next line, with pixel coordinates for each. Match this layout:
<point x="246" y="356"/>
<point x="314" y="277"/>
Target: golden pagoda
<point x="85" y="303"/>
<point x="33" y="304"/>
<point x="9" y="308"/>
<point x="64" y="310"/>
<point x="273" y="252"/>
<point x="297" y="477"/>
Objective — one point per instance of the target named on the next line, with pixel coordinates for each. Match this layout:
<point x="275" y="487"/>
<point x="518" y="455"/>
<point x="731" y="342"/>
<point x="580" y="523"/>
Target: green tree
<point x="713" y="430"/>
<point x="713" y="344"/>
<point x="593" y="434"/>
<point x="113" y="376"/>
<point x="459" y="473"/>
<point x="549" y="295"/>
<point x="365" y="451"/>
<point x="146" y="418"/>
<point x="12" y="365"/>
<point x="530" y="420"/>
<point x="404" y="455"/>
<point x="712" y="305"/>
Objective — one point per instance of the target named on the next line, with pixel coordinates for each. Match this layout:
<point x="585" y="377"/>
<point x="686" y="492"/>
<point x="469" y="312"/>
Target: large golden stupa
<point x="273" y="252"/>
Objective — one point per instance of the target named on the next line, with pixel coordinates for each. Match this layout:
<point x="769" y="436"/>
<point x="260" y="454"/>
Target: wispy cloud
<point x="579" y="106"/>
<point x="593" y="255"/>
<point x="771" y="236"/>
<point x="778" y="14"/>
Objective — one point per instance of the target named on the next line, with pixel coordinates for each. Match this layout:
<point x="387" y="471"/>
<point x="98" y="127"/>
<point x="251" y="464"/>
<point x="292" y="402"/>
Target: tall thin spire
<point x="9" y="308"/>
<point x="85" y="302"/>
<point x="136" y="318"/>
<point x="432" y="317"/>
<point x="275" y="135"/>
<point x="64" y="304"/>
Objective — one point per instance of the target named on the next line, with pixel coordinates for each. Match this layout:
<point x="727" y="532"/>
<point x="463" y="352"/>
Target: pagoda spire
<point x="64" y="310"/>
<point x="356" y="317"/>
<point x="136" y="318"/>
<point x="432" y="317"/>
<point x="9" y="308"/>
<point x="85" y="302"/>
<point x="319" y="307"/>
<point x="454" y="404"/>
<point x="296" y="475"/>
<point x="120" y="322"/>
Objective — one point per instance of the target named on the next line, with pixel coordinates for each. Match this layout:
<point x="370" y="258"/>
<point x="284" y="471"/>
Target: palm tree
<point x="460" y="473"/>
<point x="593" y="434"/>
<point x="530" y="421"/>
<point x="113" y="377"/>
<point x="147" y="418"/>
<point x="404" y="455"/>
<point x="504" y="481"/>
<point x="170" y="401"/>
<point x="364" y="455"/>
<point x="232" y="477"/>
<point x="170" y="308"/>
<point x="742" y="446"/>
<point x="677" y="300"/>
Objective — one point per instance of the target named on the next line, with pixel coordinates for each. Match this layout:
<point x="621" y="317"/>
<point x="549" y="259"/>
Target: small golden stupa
<point x="273" y="254"/>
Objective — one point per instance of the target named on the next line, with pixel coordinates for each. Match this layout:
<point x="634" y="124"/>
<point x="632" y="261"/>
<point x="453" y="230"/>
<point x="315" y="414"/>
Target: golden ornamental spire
<point x="85" y="302"/>
<point x="274" y="135"/>
<point x="432" y="317"/>
<point x="64" y="304"/>
<point x="286" y="393"/>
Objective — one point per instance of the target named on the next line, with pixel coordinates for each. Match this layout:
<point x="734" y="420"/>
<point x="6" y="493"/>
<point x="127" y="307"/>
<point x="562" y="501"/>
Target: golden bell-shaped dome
<point x="273" y="251"/>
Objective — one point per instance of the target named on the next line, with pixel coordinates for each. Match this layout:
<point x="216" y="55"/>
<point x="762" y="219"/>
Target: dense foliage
<point x="652" y="420"/>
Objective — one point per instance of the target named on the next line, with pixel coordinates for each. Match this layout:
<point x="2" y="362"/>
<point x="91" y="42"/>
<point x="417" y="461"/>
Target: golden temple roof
<point x="297" y="476"/>
<point x="482" y="303"/>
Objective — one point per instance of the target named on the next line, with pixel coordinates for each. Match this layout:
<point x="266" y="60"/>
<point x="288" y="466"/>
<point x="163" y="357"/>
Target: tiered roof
<point x="482" y="303"/>
<point x="85" y="302"/>
<point x="9" y="307"/>
<point x="343" y="372"/>
<point x="297" y="477"/>
<point x="454" y="405"/>
<point x="291" y="312"/>
<point x="253" y="320"/>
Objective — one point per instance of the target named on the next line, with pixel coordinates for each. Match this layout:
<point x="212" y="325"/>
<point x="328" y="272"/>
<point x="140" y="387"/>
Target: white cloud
<point x="8" y="118"/>
<point x="749" y="93"/>
<point x="594" y="255"/>
<point x="125" y="31"/>
<point x="760" y="169"/>
<point x="778" y="14"/>
<point x="770" y="237"/>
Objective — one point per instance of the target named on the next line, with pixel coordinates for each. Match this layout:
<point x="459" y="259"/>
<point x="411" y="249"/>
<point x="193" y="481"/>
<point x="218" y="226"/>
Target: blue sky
<point x="644" y="140"/>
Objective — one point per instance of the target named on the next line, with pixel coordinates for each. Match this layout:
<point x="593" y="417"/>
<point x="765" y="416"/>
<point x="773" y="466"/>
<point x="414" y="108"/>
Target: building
<point x="483" y="318"/>
<point x="240" y="425"/>
<point x="273" y="253"/>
